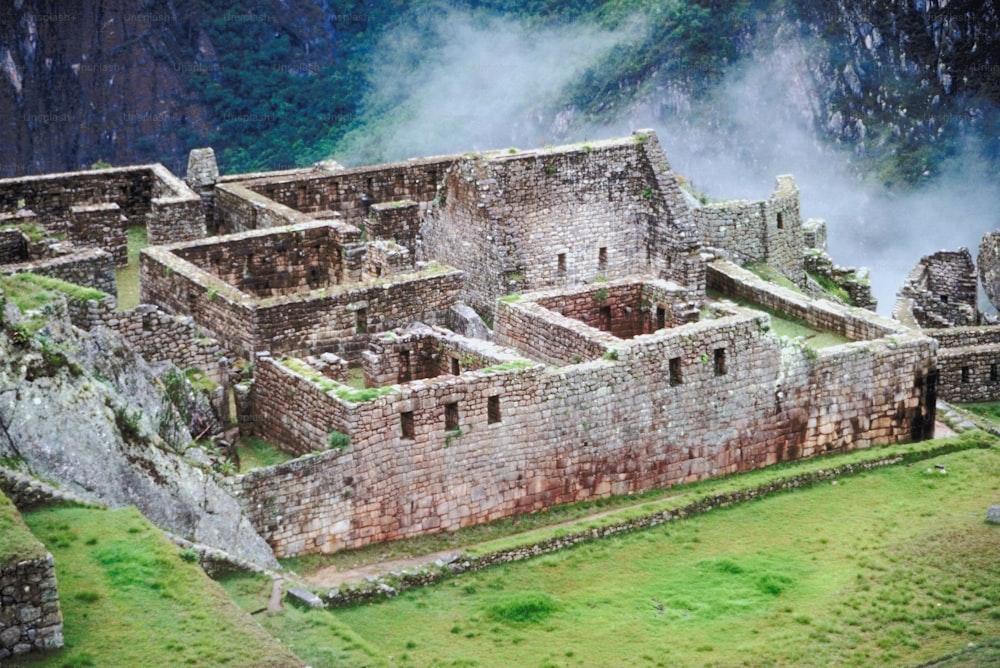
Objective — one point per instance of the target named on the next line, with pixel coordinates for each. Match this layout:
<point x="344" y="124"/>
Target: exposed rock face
<point x="95" y="422"/>
<point x="989" y="266"/>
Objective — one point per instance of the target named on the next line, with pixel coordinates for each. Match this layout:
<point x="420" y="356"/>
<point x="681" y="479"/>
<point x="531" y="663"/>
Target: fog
<point x="485" y="83"/>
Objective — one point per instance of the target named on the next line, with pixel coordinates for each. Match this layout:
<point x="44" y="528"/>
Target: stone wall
<point x="13" y="247"/>
<point x="941" y="290"/>
<point x="30" y="619"/>
<point x="333" y="318"/>
<point x="537" y="219"/>
<point x="449" y="451"/>
<point x="274" y="262"/>
<point x="969" y="363"/>
<point x="768" y="231"/>
<point x="399" y="221"/>
<point x="857" y="325"/>
<point x="352" y="192"/>
<point x="147" y="195"/>
<point x="92" y="268"/>
<point x="100" y="226"/>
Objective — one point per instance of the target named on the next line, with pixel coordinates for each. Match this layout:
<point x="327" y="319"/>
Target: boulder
<point x="989" y="266"/>
<point x="993" y="514"/>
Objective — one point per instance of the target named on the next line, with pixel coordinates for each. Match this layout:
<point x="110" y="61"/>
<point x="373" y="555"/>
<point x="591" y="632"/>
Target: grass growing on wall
<point x="891" y="567"/>
<point x="256" y="453"/>
<point x="127" y="277"/>
<point x="17" y="542"/>
<point x="128" y="599"/>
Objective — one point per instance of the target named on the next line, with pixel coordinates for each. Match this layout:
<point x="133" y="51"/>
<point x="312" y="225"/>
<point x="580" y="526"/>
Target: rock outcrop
<point x="86" y="412"/>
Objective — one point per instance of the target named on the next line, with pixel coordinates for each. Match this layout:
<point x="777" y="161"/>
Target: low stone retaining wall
<point x="387" y="586"/>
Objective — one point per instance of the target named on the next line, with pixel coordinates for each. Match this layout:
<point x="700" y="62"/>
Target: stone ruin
<point x="940" y="297"/>
<point x="625" y="349"/>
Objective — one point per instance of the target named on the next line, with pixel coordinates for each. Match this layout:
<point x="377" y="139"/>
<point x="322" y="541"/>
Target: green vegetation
<point x="127" y="278"/>
<point x="772" y="275"/>
<point x="338" y="440"/>
<point x="368" y="394"/>
<point x="56" y="285"/>
<point x="33" y="231"/>
<point x="508" y="366"/>
<point x="199" y="380"/>
<point x="512" y="297"/>
<point x="899" y="574"/>
<point x="791" y="327"/>
<point x="835" y="290"/>
<point x="128" y="599"/>
<point x="18" y="543"/>
<point x="256" y="453"/>
<point x="316" y="636"/>
<point x="989" y="410"/>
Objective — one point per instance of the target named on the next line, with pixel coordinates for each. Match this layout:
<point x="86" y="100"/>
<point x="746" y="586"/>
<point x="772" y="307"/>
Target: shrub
<point x="338" y="440"/>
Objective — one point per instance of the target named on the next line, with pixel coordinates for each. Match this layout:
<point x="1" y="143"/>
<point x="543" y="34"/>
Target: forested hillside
<point x="277" y="83"/>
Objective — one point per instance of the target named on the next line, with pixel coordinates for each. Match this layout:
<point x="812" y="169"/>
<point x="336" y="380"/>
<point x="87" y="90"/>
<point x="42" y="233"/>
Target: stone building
<point x="628" y="349"/>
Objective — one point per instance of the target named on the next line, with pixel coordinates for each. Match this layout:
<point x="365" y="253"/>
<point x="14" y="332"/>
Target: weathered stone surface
<point x="940" y="291"/>
<point x="202" y="169"/>
<point x="304" y="597"/>
<point x="989" y="266"/>
<point x="993" y="515"/>
<point x="464" y="320"/>
<point x="114" y="440"/>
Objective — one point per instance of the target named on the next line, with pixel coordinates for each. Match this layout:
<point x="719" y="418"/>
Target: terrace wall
<point x="92" y="268"/>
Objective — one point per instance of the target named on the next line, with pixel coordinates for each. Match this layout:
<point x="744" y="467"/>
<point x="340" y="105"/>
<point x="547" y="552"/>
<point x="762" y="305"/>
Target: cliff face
<point x="273" y="83"/>
<point x="86" y="80"/>
<point x="126" y="81"/>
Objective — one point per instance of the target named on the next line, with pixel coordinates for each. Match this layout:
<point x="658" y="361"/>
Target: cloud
<point x="456" y="82"/>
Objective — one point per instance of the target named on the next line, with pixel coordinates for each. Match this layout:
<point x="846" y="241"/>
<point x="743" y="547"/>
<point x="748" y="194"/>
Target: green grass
<point x="832" y="288"/>
<point x="791" y="327"/>
<point x="356" y="377"/>
<point x="315" y="635"/>
<point x="127" y="277"/>
<point x="890" y="567"/>
<point x="18" y="543"/>
<point x="989" y="410"/>
<point x="33" y="231"/>
<point x="256" y="453"/>
<point x="128" y="599"/>
<point x="56" y="285"/>
<point x="25" y="295"/>
<point x="772" y="275"/>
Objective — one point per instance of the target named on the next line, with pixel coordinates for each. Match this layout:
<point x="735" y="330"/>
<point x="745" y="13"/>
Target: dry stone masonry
<point x="628" y="349"/>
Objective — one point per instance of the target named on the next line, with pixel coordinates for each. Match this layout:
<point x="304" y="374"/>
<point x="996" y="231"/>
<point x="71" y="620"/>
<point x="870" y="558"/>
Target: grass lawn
<point x="129" y="599"/>
<point x="256" y="453"/>
<point x="989" y="410"/>
<point x="892" y="567"/>
<point x="127" y="277"/>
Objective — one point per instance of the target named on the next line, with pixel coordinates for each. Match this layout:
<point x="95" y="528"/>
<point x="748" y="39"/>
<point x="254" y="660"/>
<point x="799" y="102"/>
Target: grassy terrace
<point x="129" y="598"/>
<point x="18" y="543"/>
<point x="894" y="566"/>
<point x="785" y="325"/>
<point x="127" y="277"/>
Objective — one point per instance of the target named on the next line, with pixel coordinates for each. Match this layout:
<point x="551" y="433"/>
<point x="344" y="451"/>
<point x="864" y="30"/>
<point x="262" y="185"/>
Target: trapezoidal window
<point x="720" y="361"/>
<point x="674" y="367"/>
<point x="561" y="264"/>
<point x="602" y="258"/>
<point x="965" y="374"/>
<point x="661" y="317"/>
<point x="781" y="221"/>
<point x="404" y="366"/>
<point x="492" y="410"/>
<point x="406" y="427"/>
<point x="456" y="367"/>
<point x="451" y="416"/>
<point x="606" y="318"/>
<point x="361" y="321"/>
<point x="994" y="376"/>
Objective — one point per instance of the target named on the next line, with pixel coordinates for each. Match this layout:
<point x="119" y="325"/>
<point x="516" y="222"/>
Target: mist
<point x="488" y="82"/>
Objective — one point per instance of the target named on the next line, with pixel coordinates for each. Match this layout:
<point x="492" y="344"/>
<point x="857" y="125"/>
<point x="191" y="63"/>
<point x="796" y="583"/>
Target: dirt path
<point x="331" y="576"/>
